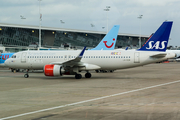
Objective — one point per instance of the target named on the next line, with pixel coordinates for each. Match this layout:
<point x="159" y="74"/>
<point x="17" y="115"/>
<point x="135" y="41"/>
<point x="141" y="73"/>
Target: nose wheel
<point x="26" y="75"/>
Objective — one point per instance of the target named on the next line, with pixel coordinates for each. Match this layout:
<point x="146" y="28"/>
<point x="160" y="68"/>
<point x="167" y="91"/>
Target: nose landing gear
<point x="26" y="75"/>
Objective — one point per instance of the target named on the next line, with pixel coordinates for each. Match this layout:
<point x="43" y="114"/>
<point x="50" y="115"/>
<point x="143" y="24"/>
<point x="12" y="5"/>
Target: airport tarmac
<point x="150" y="92"/>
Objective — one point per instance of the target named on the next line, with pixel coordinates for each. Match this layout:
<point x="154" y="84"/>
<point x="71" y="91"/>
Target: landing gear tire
<point x="78" y="76"/>
<point x="88" y="75"/>
<point x="26" y="75"/>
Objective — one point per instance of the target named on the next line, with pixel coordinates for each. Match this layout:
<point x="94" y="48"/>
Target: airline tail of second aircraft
<point x="109" y="41"/>
<point x="159" y="40"/>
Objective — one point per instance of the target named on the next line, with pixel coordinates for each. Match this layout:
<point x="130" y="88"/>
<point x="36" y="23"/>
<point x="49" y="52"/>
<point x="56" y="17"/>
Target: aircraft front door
<point x="136" y="57"/>
<point x="23" y="57"/>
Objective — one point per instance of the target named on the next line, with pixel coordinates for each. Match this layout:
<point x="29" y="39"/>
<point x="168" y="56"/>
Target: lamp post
<point x="40" y="19"/>
<point x="107" y="9"/>
<point x="140" y="17"/>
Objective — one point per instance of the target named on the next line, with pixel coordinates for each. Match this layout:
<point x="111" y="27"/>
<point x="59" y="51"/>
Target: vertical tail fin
<point x="159" y="40"/>
<point x="109" y="41"/>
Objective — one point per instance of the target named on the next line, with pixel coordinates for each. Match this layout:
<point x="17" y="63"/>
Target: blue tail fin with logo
<point x="159" y="40"/>
<point x="109" y="41"/>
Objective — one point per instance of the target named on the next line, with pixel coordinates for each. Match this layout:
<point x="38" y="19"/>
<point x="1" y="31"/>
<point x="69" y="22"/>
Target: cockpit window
<point x="14" y="56"/>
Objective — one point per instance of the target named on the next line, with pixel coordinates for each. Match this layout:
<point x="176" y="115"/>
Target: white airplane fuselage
<point x="108" y="59"/>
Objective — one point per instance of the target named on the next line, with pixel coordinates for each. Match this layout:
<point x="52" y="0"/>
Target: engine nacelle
<point x="53" y="70"/>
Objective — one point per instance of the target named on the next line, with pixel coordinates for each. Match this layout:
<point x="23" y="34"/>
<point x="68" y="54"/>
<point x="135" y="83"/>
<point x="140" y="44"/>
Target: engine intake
<point x="53" y="70"/>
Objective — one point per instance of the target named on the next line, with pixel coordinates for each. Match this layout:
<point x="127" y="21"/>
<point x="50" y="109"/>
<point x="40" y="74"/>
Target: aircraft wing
<point x="73" y="62"/>
<point x="160" y="55"/>
<point x="77" y="62"/>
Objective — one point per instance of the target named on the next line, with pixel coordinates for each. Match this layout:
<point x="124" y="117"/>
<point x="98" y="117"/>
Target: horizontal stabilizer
<point x="160" y="55"/>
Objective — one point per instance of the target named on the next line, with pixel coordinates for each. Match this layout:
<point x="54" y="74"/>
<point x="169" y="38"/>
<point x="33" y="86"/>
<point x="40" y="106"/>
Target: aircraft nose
<point x="7" y="62"/>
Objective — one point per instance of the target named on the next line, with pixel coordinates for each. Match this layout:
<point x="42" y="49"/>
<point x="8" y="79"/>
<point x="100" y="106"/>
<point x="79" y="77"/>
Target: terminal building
<point x="14" y="38"/>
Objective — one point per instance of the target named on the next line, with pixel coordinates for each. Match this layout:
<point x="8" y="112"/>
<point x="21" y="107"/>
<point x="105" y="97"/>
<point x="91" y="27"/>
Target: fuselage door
<point x="136" y="57"/>
<point x="23" y="57"/>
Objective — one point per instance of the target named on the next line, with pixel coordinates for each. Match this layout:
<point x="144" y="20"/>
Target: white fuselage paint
<point x="111" y="59"/>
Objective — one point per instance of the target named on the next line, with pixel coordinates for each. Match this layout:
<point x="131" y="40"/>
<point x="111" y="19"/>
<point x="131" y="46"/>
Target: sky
<point x="80" y="14"/>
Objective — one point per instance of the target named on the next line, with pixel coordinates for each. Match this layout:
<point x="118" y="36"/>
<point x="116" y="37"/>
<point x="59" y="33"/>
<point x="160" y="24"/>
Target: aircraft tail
<point x="159" y="40"/>
<point x="109" y="41"/>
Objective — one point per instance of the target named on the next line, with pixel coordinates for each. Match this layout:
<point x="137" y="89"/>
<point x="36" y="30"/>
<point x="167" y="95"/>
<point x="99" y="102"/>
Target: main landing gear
<point x="79" y="76"/>
<point x="88" y="75"/>
<point x="26" y="75"/>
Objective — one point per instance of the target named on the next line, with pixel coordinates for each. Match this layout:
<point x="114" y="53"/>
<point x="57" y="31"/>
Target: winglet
<point x="82" y="52"/>
<point x="159" y="40"/>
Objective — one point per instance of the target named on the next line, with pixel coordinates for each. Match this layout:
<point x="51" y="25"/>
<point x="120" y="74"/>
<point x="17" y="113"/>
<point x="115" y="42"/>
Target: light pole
<point x="140" y="17"/>
<point x="40" y="19"/>
<point x="107" y="9"/>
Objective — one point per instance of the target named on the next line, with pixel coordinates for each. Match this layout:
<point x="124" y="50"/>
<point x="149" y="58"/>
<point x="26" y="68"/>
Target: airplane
<point x="58" y="63"/>
<point x="109" y="41"/>
<point x="4" y="57"/>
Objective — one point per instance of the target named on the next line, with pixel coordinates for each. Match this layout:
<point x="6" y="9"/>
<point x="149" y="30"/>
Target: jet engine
<point x="54" y="70"/>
